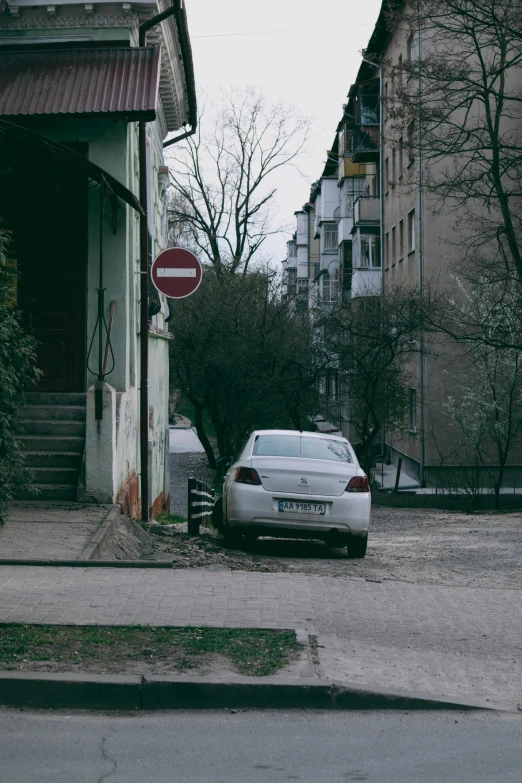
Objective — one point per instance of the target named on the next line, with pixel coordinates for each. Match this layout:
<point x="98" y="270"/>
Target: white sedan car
<point x="300" y="485"/>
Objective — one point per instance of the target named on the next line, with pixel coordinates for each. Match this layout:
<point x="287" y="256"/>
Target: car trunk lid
<point x="304" y="476"/>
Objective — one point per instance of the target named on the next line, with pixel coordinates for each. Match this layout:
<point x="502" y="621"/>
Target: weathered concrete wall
<point x="158" y="418"/>
<point x="100" y="446"/>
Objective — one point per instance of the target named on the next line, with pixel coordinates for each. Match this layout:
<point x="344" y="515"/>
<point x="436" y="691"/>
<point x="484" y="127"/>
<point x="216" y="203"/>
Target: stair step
<point x="56" y="398"/>
<point x="50" y="492"/>
<point x="39" y="443"/>
<point x="53" y="412"/>
<point x="53" y="428"/>
<point x="48" y="475"/>
<point x="50" y="459"/>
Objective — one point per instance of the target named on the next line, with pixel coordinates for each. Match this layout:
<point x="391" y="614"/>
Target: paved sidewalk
<point x="183" y="441"/>
<point x="48" y="530"/>
<point x="456" y="641"/>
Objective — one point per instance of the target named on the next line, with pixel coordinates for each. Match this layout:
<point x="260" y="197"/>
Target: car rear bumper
<point x="255" y="508"/>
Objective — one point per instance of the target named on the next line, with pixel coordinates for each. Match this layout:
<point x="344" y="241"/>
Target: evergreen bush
<point x="17" y="372"/>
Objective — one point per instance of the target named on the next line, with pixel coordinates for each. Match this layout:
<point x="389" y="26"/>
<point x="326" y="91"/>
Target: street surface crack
<point x="106" y="757"/>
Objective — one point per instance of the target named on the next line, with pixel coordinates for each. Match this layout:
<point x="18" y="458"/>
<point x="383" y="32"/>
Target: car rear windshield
<point x="295" y="446"/>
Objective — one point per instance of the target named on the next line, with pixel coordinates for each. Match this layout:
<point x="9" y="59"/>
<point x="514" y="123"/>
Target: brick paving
<point x="54" y="531"/>
<point x="444" y="639"/>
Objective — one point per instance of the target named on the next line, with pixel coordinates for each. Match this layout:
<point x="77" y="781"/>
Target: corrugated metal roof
<point x="116" y="81"/>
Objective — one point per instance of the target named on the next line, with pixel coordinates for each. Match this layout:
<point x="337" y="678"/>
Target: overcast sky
<point x="303" y="52"/>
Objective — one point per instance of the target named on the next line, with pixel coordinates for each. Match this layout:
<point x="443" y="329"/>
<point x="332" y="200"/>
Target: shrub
<point x="17" y="372"/>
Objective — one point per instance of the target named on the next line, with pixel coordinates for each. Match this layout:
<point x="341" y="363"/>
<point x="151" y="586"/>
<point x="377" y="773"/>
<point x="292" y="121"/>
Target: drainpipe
<point x="420" y="263"/>
<point x="177" y="9"/>
<point x="381" y="205"/>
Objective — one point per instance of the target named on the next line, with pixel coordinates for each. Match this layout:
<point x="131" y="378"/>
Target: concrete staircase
<point x="52" y="427"/>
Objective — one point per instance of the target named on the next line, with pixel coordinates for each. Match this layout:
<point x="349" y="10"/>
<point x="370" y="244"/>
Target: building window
<point x="345" y="140"/>
<point x="329" y="286"/>
<point x="411" y="143"/>
<point x="347" y="269"/>
<point x="393" y="244"/>
<point x="368" y="109"/>
<point x="370" y="252"/>
<point x="291" y="282"/>
<point x="401" y="155"/>
<point x="302" y="287"/>
<point x="401" y="240"/>
<point x="326" y="287"/>
<point x="394" y="168"/>
<point x="387" y="174"/>
<point x="411" y="53"/>
<point x="387" y="248"/>
<point x="411" y="231"/>
<point x="412" y="410"/>
<point x="330" y="238"/>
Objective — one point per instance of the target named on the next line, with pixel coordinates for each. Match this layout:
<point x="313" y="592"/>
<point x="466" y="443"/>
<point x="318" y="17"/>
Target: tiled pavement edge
<point x="50" y="531"/>
<point x="462" y="642"/>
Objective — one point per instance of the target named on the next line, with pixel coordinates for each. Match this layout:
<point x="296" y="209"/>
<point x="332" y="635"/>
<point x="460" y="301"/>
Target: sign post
<point x="176" y="272"/>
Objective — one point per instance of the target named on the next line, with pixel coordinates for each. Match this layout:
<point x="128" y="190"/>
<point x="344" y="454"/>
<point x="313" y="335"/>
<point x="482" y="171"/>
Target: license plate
<point x="302" y="508"/>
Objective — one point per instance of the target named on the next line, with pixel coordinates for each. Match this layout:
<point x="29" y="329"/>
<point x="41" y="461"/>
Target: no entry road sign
<point x="176" y="272"/>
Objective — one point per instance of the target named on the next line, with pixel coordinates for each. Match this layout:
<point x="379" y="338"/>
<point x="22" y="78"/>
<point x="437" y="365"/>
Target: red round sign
<point x="176" y="272"/>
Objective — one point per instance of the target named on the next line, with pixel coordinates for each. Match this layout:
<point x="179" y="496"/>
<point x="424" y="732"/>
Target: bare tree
<point x="374" y="340"/>
<point x="244" y="358"/>
<point x="222" y="178"/>
<point x="464" y="93"/>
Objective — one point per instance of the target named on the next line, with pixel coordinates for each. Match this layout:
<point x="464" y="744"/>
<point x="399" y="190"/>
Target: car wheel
<point x="357" y="546"/>
<point x="232" y="537"/>
<point x="217" y="514"/>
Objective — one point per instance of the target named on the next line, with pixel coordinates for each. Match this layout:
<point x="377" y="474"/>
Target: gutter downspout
<point x="420" y="265"/>
<point x="176" y="9"/>
<point x="381" y="205"/>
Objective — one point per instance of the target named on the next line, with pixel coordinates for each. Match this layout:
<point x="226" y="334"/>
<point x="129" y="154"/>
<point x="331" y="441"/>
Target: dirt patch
<point x="145" y="650"/>
<point x="428" y="546"/>
<point x="127" y="541"/>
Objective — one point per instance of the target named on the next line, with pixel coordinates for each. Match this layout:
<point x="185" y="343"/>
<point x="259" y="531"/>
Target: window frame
<point x="411" y="231"/>
<point x="331" y="230"/>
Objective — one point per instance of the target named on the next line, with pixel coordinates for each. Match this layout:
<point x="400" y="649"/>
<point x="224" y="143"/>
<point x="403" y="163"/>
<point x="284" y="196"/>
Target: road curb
<point x="93" y="549"/>
<point x="132" y="692"/>
<point x="87" y="563"/>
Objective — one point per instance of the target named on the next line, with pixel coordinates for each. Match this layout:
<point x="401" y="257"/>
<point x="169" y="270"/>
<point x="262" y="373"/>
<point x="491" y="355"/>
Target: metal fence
<point x="201" y="500"/>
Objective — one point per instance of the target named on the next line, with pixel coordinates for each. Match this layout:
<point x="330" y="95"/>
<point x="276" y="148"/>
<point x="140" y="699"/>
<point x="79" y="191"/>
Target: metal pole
<point x="193" y="518"/>
<point x="398" y="476"/>
<point x="144" y="324"/>
<point x="98" y="386"/>
<point x="176" y="9"/>
<point x="420" y="261"/>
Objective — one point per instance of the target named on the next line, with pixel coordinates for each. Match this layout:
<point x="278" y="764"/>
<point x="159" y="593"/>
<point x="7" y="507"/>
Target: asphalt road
<point x="260" y="747"/>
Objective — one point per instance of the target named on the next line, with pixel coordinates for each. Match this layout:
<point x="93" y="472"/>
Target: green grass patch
<point x="250" y="651"/>
<point x="169" y="519"/>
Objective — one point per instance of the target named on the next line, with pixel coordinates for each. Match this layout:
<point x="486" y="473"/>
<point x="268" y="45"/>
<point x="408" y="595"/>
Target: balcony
<point x="366" y="144"/>
<point x="367" y="210"/>
<point x="366" y="282"/>
<point x="345" y="230"/>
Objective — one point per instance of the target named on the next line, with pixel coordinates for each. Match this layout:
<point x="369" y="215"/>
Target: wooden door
<point x="49" y="220"/>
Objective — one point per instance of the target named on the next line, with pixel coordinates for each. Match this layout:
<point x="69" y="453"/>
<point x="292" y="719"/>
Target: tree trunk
<point x="499" y="481"/>
<point x="202" y="435"/>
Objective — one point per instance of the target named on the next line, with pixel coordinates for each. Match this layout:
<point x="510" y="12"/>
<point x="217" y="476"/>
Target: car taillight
<point x="247" y="476"/>
<point x="358" y="484"/>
